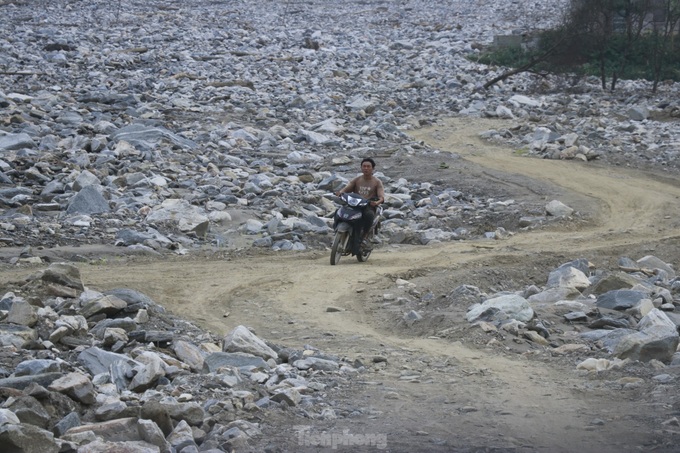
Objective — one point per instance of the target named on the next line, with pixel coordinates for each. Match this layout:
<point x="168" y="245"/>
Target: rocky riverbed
<point x="207" y="127"/>
<point x="169" y="126"/>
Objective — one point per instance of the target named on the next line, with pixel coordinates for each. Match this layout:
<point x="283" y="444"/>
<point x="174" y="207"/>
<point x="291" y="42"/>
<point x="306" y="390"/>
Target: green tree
<point x="609" y="32"/>
<point x="612" y="39"/>
<point x="663" y="38"/>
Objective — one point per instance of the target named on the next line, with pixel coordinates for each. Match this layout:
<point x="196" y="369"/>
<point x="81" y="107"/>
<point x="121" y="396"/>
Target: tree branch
<point x="524" y="68"/>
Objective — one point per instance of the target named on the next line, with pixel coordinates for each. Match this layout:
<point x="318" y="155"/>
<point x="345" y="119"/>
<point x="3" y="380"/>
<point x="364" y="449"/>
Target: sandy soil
<point x="427" y="391"/>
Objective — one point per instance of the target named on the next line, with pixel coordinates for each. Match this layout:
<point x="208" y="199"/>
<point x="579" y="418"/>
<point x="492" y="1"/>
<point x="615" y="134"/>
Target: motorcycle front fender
<point x="344" y="227"/>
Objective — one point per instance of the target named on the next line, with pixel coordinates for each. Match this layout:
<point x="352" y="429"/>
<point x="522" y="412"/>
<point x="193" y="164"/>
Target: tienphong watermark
<point x="335" y="439"/>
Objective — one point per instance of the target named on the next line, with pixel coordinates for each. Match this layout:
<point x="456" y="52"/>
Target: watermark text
<point x="335" y="440"/>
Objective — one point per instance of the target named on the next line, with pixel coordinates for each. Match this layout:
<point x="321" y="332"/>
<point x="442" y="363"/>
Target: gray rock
<point x="553" y="295"/>
<point x="7" y="417"/>
<point x="7" y="300"/>
<point x="63" y="274"/>
<point x="569" y="277"/>
<point x="127" y="446"/>
<point x="576" y="316"/>
<point x="189" y="354"/>
<point x="558" y="209"/>
<point x="628" y="264"/>
<point x="21" y="382"/>
<point x="120" y="372"/>
<point x="231" y="377"/>
<point x="129" y="237"/>
<point x="29" y="411"/>
<point x="610" y="281"/>
<point x="158" y="413"/>
<point x="107" y="305"/>
<point x="181" y="437"/>
<point x="290" y="397"/>
<point x="191" y="413"/>
<point x="186" y="216"/>
<point x="70" y="421"/>
<point x="98" y="361"/>
<point x="581" y="264"/>
<point x="85" y="179"/>
<point x="113" y="410"/>
<point x="127" y="324"/>
<point x="412" y="316"/>
<point x="609" y="322"/>
<point x="140" y="134"/>
<point x="119" y="430"/>
<point x="149" y="370"/>
<point x="506" y="306"/>
<point x="240" y="339"/>
<point x="11" y="142"/>
<point x="216" y="360"/>
<point x="89" y="200"/>
<point x="16" y="335"/>
<point x="134" y="299"/>
<point x="638" y="113"/>
<point x="620" y="299"/>
<point x="37" y="366"/>
<point x="657" y="339"/>
<point x="27" y="438"/>
<point x="521" y="100"/>
<point x="77" y="386"/>
<point x="652" y="262"/>
<point x="152" y="434"/>
<point x="316" y="363"/>
<point x="22" y="313"/>
<point x="675" y="360"/>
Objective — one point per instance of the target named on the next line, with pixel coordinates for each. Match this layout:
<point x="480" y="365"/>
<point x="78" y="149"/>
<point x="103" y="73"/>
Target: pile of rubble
<point x="167" y="126"/>
<point x="91" y="372"/>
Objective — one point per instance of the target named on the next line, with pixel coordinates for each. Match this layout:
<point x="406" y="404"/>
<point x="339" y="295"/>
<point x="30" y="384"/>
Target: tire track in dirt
<point x="523" y="405"/>
<point x="288" y="294"/>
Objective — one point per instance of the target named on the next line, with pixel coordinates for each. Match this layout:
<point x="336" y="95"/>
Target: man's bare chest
<point x="366" y="188"/>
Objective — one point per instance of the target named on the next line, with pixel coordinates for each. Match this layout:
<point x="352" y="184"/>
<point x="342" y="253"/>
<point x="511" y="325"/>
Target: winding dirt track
<point x="628" y="207"/>
<point x="517" y="404"/>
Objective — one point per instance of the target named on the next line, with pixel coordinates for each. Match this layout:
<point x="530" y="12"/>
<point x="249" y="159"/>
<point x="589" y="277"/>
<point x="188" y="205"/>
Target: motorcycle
<point x="347" y="226"/>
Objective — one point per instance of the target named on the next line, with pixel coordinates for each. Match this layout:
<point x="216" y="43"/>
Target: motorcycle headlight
<point x="353" y="201"/>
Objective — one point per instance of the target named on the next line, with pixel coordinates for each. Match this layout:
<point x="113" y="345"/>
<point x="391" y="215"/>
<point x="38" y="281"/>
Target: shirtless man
<point x="368" y="186"/>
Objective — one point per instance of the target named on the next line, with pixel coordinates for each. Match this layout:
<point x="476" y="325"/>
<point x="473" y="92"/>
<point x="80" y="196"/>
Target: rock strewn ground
<point x="166" y="126"/>
<point x="83" y="370"/>
<point x="239" y="119"/>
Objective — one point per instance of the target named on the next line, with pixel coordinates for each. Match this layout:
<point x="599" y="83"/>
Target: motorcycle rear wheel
<point x="339" y="245"/>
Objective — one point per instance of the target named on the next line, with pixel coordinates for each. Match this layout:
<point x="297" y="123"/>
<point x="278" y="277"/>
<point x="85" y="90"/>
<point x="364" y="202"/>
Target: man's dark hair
<point x="368" y="159"/>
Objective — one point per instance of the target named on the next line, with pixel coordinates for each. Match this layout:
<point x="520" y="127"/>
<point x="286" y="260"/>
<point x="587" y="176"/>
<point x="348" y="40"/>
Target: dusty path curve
<point x="628" y="207"/>
<point x="463" y="398"/>
<point x="484" y="399"/>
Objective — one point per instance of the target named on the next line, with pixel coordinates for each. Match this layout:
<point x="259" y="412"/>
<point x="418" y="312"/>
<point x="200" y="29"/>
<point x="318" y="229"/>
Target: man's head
<point x="367" y="166"/>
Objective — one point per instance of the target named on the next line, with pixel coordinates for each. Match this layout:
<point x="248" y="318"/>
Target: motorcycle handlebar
<point x="337" y="198"/>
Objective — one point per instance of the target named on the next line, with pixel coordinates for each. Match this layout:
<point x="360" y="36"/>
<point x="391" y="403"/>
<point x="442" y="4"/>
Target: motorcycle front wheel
<point x="339" y="245"/>
<point x="363" y="255"/>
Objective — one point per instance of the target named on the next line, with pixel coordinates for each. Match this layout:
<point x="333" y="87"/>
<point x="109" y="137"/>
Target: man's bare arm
<point x="348" y="188"/>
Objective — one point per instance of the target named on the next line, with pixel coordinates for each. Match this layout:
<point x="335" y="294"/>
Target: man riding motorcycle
<point x="368" y="186"/>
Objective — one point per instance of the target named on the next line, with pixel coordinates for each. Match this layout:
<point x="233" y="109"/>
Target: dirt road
<point x="426" y="393"/>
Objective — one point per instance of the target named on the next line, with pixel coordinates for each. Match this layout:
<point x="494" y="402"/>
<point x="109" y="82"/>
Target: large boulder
<point x="506" y="306"/>
<point x="243" y="340"/>
<point x="657" y="338"/>
<point x="621" y="299"/>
